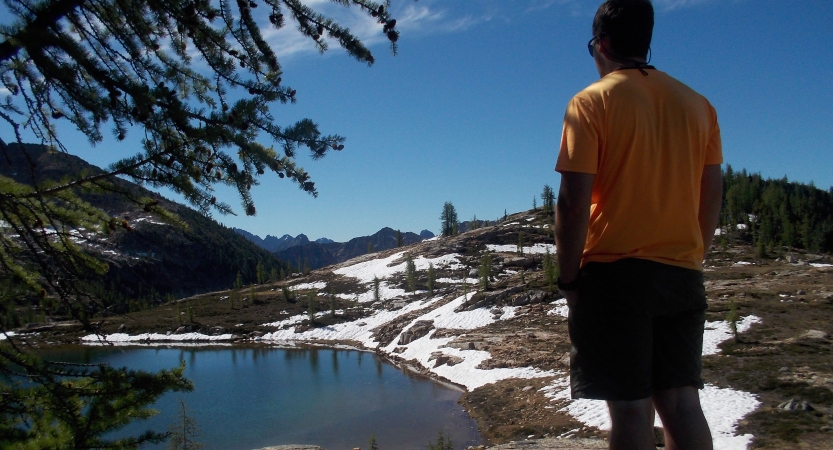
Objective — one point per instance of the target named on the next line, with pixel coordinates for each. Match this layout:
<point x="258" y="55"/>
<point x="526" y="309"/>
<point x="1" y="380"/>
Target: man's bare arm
<point x="572" y="214"/>
<point x="711" y="200"/>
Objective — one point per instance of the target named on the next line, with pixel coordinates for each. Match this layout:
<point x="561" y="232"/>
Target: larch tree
<point x="130" y="67"/>
<point x="184" y="431"/>
<point x="448" y="219"/>
<point x="548" y="200"/>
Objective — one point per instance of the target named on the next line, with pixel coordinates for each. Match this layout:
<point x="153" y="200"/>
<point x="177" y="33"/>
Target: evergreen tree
<point x="431" y="277"/>
<point x="185" y="431"/>
<point x="370" y="248"/>
<point x="550" y="271"/>
<point x="372" y="442"/>
<point x="311" y="307"/>
<point x="273" y="275"/>
<point x="534" y="203"/>
<point x="399" y="241"/>
<point x="485" y="270"/>
<point x="63" y="405"/>
<point x="548" y="200"/>
<point x="261" y="273"/>
<point x="443" y="443"/>
<point x="332" y="305"/>
<point x="238" y="281"/>
<point x="410" y="273"/>
<point x="520" y="242"/>
<point x="448" y="219"/>
<point x="376" y="285"/>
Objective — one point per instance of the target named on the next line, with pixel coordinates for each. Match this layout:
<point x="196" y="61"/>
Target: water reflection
<point x="254" y="397"/>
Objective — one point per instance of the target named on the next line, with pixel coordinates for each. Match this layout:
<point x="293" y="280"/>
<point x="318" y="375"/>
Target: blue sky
<point x="470" y="109"/>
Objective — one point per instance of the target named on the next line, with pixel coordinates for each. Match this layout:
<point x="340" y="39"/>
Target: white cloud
<point x="669" y="5"/>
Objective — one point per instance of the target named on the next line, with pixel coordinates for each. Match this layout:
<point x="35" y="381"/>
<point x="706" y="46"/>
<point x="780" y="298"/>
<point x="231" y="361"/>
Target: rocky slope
<point x="154" y="258"/>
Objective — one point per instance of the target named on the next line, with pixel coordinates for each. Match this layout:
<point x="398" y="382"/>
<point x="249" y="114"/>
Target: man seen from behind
<point x="640" y="195"/>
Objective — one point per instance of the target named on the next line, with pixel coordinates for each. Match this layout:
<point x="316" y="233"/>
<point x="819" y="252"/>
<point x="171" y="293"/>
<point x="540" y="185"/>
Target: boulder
<point x="529" y="297"/>
<point x="815" y="335"/>
<point x="795" y="405"/>
<point x="418" y="330"/>
<point x="486" y="299"/>
<point x="440" y="358"/>
<point x="518" y="261"/>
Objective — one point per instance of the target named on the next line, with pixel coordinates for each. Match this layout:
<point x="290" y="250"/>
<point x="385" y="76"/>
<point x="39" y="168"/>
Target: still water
<point x="252" y="397"/>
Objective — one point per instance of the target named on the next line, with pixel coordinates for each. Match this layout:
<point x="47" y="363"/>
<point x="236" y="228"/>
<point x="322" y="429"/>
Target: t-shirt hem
<point x="693" y="265"/>
<point x="561" y="168"/>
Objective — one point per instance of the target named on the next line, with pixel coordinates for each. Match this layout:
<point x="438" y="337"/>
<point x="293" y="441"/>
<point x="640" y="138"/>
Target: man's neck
<point x="609" y="66"/>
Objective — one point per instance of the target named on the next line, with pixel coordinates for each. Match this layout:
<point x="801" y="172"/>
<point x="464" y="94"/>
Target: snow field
<point x="359" y="330"/>
<point x="381" y="268"/>
<point x="466" y="372"/>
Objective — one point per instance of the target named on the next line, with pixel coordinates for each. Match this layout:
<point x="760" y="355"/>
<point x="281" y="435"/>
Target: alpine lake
<point x="250" y="397"/>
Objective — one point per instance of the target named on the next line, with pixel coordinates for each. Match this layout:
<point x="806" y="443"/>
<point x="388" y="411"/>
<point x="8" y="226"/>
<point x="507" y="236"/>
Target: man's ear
<point x="604" y="45"/>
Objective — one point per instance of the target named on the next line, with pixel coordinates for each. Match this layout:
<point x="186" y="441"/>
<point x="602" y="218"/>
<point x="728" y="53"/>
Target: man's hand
<point x="572" y="298"/>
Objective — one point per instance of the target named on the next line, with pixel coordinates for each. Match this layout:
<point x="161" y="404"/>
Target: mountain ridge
<point x="305" y="254"/>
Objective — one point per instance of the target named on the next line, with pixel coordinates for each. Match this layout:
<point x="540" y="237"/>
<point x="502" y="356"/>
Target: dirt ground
<point x="788" y="356"/>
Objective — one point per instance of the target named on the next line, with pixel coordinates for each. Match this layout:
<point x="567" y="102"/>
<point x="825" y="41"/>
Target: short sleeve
<point x="579" y="150"/>
<point x="714" y="148"/>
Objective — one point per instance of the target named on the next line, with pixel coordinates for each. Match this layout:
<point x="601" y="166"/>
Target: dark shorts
<point x="637" y="328"/>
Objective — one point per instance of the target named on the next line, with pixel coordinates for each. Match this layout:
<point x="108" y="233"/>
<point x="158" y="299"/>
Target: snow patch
<point x="153" y="337"/>
<point x="304" y="286"/>
<point x="717" y="332"/>
<point x="723" y="408"/>
<point x="560" y="309"/>
<point x="534" y="249"/>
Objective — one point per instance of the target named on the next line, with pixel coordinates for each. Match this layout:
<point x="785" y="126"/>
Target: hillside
<point x="154" y="259"/>
<point x="507" y="345"/>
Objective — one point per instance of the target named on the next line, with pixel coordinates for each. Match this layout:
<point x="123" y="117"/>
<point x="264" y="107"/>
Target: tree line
<point x="775" y="213"/>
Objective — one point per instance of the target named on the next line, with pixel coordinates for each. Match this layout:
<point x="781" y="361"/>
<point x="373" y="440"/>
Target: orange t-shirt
<point x="647" y="139"/>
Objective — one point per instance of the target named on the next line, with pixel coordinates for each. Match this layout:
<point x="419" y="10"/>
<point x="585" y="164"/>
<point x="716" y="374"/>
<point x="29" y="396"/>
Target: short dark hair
<point x="629" y="24"/>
